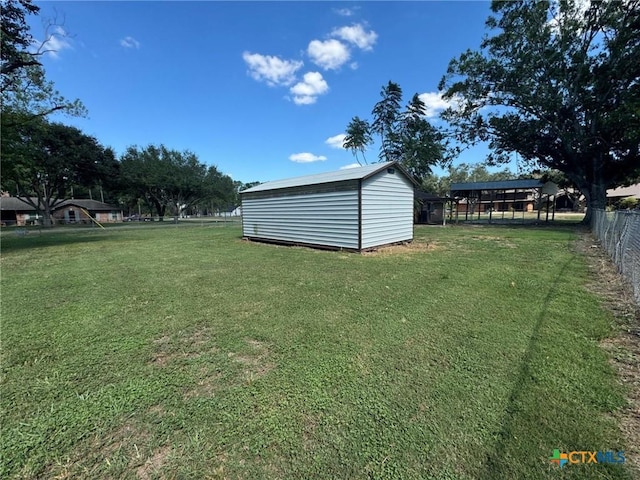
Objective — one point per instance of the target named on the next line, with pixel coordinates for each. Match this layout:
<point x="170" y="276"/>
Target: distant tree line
<point x="45" y="162"/>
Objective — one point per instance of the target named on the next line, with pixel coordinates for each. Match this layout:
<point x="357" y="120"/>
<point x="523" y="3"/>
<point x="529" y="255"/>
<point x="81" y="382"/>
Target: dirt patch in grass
<point x="188" y="346"/>
<point x="403" y="249"/>
<point x="121" y="446"/>
<point x="624" y="347"/>
<point x="206" y="386"/>
<point x="256" y="361"/>
<point x="154" y="463"/>
<point x="501" y="241"/>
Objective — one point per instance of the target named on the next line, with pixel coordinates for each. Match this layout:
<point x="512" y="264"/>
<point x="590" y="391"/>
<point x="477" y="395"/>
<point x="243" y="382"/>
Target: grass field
<point x="185" y="352"/>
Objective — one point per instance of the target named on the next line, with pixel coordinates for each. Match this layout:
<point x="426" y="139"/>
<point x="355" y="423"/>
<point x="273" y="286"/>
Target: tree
<point x="24" y="90"/>
<point x="557" y="83"/>
<point x="463" y="173"/>
<point x="42" y="161"/>
<point x="405" y="136"/>
<point x="168" y="178"/>
<point x="221" y="190"/>
<point x="386" y="118"/>
<point x="16" y="38"/>
<point x="146" y="175"/>
<point x="358" y="137"/>
<point x="420" y="143"/>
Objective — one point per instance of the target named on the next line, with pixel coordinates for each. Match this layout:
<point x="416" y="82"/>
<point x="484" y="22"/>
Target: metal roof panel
<point x="499" y="185"/>
<point x="356" y="173"/>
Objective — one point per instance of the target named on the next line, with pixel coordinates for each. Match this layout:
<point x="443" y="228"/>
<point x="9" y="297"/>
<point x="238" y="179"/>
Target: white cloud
<point x="330" y="54"/>
<point x="351" y="165"/>
<point x="435" y="103"/>
<point x="307" y="91"/>
<point x="346" y="12"/>
<point x="337" y="141"/>
<point x="306" y="157"/>
<point x="357" y="35"/>
<point x="129" y="42"/>
<point x="271" y="69"/>
<point x="56" y="42"/>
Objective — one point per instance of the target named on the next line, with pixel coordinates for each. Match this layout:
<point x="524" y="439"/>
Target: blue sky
<point x="259" y="89"/>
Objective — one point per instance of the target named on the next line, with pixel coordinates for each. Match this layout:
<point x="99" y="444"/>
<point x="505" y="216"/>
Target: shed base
<point x="321" y="246"/>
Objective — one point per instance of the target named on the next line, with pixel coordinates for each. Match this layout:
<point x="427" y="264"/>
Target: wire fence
<point x="619" y="233"/>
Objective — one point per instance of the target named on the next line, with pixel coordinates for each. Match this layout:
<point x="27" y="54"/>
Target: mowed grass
<point x="185" y="352"/>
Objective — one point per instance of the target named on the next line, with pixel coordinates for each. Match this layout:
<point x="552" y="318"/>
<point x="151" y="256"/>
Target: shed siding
<point x="319" y="218"/>
<point x="387" y="209"/>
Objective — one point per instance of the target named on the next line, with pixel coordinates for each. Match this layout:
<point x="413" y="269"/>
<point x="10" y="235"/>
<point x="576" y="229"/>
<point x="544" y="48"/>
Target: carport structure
<point x="503" y="197"/>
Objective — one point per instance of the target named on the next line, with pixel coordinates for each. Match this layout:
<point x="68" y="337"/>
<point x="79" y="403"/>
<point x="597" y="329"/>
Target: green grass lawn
<point x="185" y="352"/>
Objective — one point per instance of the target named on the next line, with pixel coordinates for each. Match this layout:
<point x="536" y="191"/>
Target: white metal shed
<point x="355" y="209"/>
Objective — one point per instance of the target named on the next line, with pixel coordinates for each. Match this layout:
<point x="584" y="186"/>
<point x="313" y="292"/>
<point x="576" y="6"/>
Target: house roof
<point x="87" y="204"/>
<point x="630" y="191"/>
<point x="499" y="185"/>
<point x="357" y="173"/>
<point x="15" y="203"/>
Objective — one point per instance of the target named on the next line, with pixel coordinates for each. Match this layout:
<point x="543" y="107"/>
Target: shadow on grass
<point x="495" y="465"/>
<point x="17" y="240"/>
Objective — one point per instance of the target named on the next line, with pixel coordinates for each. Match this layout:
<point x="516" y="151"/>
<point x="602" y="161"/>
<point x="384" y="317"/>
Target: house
<point x="16" y="211"/>
<point x="230" y="211"/>
<point x="76" y="210"/>
<point x="354" y="209"/>
<point x="616" y="195"/>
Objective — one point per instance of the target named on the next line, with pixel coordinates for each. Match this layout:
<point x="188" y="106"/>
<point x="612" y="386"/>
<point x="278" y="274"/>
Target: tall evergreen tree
<point x="386" y="118"/>
<point x="358" y="137"/>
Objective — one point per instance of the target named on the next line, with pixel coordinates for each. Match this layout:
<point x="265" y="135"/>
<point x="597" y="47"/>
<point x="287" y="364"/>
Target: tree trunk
<point x="596" y="197"/>
<point x="46" y="217"/>
<point x="47" y="220"/>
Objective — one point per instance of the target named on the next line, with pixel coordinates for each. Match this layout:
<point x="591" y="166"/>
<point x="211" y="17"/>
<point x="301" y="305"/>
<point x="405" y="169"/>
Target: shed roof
<point x="356" y="173"/>
<point x="499" y="185"/>
<point x="431" y="197"/>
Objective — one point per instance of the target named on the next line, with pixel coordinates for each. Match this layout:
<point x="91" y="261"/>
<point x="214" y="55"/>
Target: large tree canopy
<point x="25" y="91"/>
<point x="169" y="178"/>
<point x="557" y="82"/>
<point x="42" y="161"/>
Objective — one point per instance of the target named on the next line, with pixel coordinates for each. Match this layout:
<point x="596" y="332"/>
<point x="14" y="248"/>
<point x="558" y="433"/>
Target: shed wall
<point x="387" y="209"/>
<point x="327" y="216"/>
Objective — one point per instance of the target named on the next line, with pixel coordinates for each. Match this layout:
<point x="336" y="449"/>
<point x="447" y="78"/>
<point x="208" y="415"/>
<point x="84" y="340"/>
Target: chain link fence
<point x="619" y="233"/>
